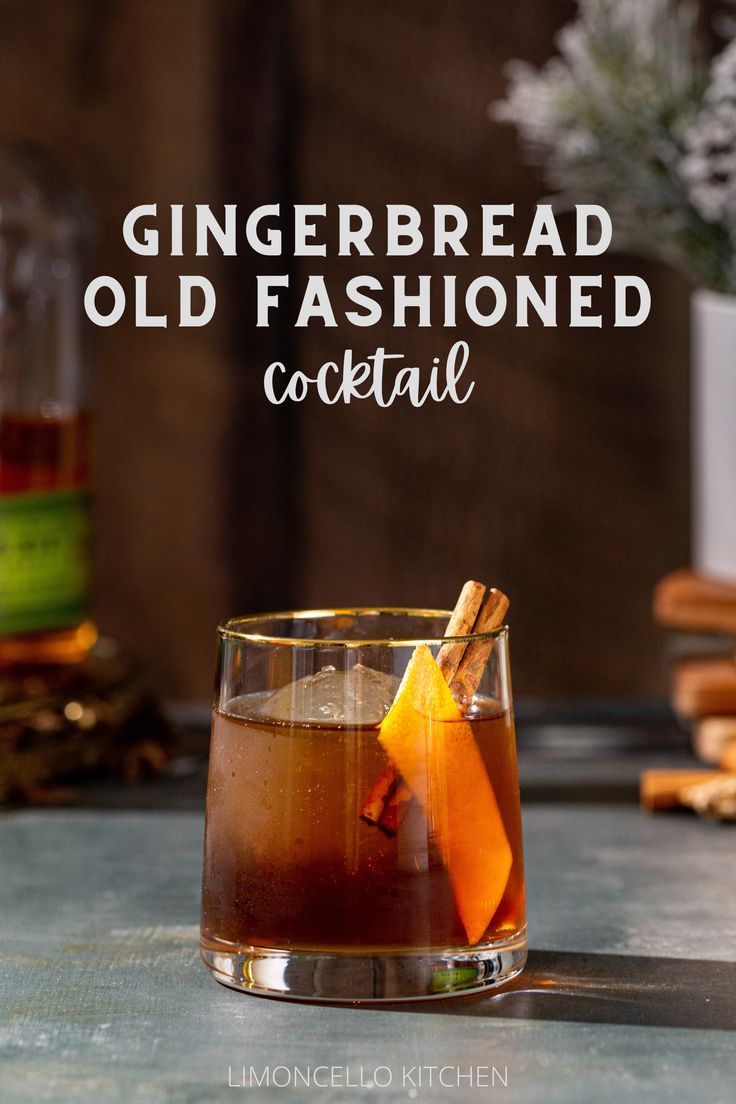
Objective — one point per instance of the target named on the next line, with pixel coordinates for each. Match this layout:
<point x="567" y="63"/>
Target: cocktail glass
<point x="308" y="893"/>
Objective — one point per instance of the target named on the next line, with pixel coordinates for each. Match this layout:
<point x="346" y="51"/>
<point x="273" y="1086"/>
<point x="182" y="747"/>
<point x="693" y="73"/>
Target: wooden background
<point x="564" y="480"/>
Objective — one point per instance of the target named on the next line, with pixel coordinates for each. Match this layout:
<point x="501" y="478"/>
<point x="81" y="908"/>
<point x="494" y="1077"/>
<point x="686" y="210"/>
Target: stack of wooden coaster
<point x="701" y="615"/>
<point x="704" y="672"/>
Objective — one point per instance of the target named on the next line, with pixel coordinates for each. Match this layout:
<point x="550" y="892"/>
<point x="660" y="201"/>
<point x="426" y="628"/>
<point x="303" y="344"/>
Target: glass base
<point x="387" y="976"/>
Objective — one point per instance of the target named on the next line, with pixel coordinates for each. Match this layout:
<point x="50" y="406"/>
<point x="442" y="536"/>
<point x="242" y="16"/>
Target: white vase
<point x="714" y="434"/>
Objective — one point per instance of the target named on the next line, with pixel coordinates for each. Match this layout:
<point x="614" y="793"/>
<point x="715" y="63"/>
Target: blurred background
<point x="564" y="480"/>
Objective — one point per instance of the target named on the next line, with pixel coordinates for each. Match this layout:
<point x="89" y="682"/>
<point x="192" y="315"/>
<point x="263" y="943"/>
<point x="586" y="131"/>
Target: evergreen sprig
<point x="629" y="114"/>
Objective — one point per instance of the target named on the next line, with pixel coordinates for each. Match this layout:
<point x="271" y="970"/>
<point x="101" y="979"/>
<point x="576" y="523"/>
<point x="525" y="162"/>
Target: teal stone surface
<point x="629" y="994"/>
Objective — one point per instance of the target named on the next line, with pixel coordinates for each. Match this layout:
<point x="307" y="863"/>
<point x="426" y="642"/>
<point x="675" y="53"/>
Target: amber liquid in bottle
<point x="43" y="455"/>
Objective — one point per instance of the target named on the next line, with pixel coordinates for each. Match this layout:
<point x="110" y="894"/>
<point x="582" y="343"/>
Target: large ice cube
<point x="359" y="696"/>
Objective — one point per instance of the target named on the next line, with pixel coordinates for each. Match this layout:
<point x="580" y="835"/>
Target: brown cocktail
<point x="363" y="837"/>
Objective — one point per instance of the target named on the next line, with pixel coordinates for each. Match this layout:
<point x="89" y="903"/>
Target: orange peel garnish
<point x="434" y="750"/>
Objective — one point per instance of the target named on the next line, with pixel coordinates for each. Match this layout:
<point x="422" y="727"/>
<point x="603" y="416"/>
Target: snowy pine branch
<point x="629" y="115"/>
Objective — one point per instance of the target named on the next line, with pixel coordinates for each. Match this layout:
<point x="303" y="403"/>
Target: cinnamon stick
<point x="727" y="760"/>
<point x="685" y="600"/>
<point x="661" y="789"/>
<point x="461" y="623"/>
<point x="380" y="792"/>
<point x="389" y="792"/>
<point x="705" y="688"/>
<point x="470" y="671"/>
<point x="462" y="663"/>
<point x="395" y="808"/>
<point x="711" y="736"/>
<point x="387" y="802"/>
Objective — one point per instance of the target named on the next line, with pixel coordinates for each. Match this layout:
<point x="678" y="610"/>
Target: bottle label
<point x="44" y="560"/>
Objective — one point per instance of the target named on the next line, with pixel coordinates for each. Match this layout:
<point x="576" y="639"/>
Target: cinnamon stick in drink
<point x="464" y="617"/>
<point x="462" y="663"/>
<point x="471" y="659"/>
<point x="473" y="663"/>
<point x="396" y="807"/>
<point x="380" y="793"/>
<point x="389" y="793"/>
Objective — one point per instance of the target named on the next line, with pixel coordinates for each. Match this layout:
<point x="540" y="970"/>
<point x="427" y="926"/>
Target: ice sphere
<point x="359" y="696"/>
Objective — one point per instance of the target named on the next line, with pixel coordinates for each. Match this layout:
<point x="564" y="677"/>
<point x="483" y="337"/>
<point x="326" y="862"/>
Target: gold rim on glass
<point x="231" y="630"/>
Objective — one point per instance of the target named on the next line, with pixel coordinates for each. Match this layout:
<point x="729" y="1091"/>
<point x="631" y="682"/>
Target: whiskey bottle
<point x="44" y="416"/>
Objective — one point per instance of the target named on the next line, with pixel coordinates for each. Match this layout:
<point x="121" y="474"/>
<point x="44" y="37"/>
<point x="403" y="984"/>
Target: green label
<point x="44" y="560"/>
